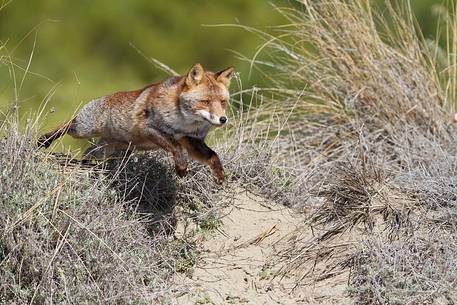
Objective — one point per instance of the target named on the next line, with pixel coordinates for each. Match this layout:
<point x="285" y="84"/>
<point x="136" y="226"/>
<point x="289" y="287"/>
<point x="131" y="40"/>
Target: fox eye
<point x="206" y="102"/>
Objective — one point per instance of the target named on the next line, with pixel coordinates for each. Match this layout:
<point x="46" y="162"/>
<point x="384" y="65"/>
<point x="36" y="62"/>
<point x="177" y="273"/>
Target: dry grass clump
<point x="416" y="270"/>
<point x="416" y="265"/>
<point x="396" y="206"/>
<point x="340" y="62"/>
<point x="355" y="196"/>
<point x="65" y="236"/>
<point x="370" y="123"/>
<point x="252" y="161"/>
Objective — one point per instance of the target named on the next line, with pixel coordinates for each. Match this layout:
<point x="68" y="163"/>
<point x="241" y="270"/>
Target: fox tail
<point x="47" y="139"/>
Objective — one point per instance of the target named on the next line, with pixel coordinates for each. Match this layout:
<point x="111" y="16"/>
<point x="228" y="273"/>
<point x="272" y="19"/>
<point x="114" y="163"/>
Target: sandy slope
<point x="237" y="264"/>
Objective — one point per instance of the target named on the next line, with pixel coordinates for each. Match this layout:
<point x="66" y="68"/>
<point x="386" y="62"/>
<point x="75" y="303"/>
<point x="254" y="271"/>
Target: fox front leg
<point x="168" y="145"/>
<point x="199" y="151"/>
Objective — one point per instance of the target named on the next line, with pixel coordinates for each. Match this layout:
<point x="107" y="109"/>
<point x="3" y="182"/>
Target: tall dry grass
<point x="368" y="104"/>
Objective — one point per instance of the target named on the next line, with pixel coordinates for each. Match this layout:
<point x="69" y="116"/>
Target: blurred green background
<point x="78" y="50"/>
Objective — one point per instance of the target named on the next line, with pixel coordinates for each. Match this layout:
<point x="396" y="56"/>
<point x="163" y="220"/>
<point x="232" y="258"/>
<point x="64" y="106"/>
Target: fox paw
<point x="180" y="164"/>
<point x="181" y="171"/>
<point x="219" y="178"/>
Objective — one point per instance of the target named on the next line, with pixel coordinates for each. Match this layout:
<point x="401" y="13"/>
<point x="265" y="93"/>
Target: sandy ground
<point x="236" y="265"/>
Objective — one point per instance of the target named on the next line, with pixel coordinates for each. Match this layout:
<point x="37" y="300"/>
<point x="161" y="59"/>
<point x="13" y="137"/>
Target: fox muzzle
<point x="213" y="119"/>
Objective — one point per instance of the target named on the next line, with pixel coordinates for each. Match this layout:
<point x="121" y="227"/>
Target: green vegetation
<point x="204" y="299"/>
<point x="265" y="273"/>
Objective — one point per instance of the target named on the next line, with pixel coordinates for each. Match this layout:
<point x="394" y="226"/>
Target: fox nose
<point x="223" y="119"/>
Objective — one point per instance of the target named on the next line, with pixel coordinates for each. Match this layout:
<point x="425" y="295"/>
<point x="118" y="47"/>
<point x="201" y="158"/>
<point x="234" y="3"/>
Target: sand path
<point x="236" y="264"/>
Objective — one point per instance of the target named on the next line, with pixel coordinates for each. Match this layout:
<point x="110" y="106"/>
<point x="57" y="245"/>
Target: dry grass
<point x="367" y="101"/>
<point x="65" y="236"/>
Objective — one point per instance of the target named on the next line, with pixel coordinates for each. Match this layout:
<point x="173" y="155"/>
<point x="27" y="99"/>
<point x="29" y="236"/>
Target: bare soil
<point x="237" y="263"/>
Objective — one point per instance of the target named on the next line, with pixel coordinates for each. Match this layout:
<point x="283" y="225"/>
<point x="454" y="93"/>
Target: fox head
<point x="205" y="95"/>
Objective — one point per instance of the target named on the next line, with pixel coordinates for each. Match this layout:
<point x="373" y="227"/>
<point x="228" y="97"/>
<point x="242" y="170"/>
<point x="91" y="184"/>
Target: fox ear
<point x="195" y="75"/>
<point x="225" y="76"/>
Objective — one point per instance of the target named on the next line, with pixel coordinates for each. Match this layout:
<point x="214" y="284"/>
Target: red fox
<point x="174" y="115"/>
